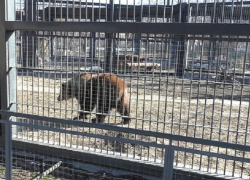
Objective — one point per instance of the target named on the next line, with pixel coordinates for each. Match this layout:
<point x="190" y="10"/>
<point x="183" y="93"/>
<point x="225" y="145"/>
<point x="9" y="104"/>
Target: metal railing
<point x="169" y="149"/>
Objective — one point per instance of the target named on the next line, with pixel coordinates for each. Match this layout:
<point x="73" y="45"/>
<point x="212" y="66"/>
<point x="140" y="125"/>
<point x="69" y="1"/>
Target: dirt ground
<point x="170" y="105"/>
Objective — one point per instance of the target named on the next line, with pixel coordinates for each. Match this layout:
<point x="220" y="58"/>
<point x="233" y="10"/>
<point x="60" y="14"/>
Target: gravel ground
<point x="196" y="109"/>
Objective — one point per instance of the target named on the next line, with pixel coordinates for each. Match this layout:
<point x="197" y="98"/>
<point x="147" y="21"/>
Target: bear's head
<point x="66" y="91"/>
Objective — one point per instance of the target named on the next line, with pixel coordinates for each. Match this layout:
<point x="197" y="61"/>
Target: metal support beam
<point x="3" y="89"/>
<point x="11" y="75"/>
<point x="213" y="44"/>
<point x="29" y="39"/>
<point x="137" y="45"/>
<point x="110" y="40"/>
<point x="7" y="78"/>
<point x="178" y="45"/>
<point x="8" y="149"/>
<point x="168" y="168"/>
<point x="92" y="50"/>
<point x="127" y="27"/>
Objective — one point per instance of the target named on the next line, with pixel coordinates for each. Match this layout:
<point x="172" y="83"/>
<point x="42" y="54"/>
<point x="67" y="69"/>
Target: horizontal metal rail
<point x="125" y="27"/>
<point x="145" y="120"/>
<point x="131" y="141"/>
<point x="132" y="131"/>
<point x="151" y="6"/>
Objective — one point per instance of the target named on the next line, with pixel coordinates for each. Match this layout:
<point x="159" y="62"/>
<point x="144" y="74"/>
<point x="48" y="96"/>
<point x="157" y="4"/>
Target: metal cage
<point x="178" y="69"/>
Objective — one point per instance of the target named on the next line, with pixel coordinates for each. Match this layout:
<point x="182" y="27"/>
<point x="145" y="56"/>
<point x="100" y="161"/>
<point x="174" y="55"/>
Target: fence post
<point x="168" y="163"/>
<point x="8" y="149"/>
<point x="110" y="40"/>
<point x="29" y="39"/>
<point x="179" y="43"/>
<point x="11" y="75"/>
<point x="2" y="63"/>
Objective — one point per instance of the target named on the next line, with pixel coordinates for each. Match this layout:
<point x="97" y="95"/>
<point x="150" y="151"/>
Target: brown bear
<point x="103" y="91"/>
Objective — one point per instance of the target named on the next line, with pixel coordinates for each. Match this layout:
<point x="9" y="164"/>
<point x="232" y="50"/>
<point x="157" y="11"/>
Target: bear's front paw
<point x="95" y="120"/>
<point x="126" y="121"/>
<point x="78" y="118"/>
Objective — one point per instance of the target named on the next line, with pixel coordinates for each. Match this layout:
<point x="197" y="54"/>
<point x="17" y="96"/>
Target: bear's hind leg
<point x="124" y="111"/>
<point x="83" y="115"/>
<point x="104" y="109"/>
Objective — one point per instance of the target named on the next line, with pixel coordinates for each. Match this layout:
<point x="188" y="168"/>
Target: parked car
<point x="202" y="66"/>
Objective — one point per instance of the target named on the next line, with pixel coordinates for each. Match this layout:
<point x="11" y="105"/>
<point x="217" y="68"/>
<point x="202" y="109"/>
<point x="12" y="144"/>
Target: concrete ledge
<point x="117" y="162"/>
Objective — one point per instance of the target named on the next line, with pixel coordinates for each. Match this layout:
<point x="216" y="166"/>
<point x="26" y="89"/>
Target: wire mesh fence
<point x="55" y="156"/>
<point x="221" y="11"/>
<point x="190" y="85"/>
<point x="56" y="164"/>
<point x="199" y="104"/>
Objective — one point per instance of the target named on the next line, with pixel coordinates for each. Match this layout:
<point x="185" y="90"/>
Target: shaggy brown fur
<point x="103" y="91"/>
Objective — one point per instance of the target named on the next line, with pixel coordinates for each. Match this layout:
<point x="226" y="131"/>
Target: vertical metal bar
<point x="106" y="11"/>
<point x="80" y="12"/>
<point x="205" y="12"/>
<point x="11" y="62"/>
<point x="67" y="40"/>
<point x="126" y="14"/>
<point x="223" y="12"/>
<point x="180" y="11"/>
<point x="241" y="95"/>
<point x="241" y="9"/>
<point x="43" y="89"/>
<point x="231" y="106"/>
<point x="222" y="110"/>
<point x="246" y="128"/>
<point x="116" y="60"/>
<point x="198" y="97"/>
<point x="78" y="40"/>
<point x="190" y="96"/>
<point x="172" y="10"/>
<point x="159" y="93"/>
<point x="61" y="66"/>
<point x="168" y="163"/>
<point x="55" y="84"/>
<point x="67" y="12"/>
<point x="213" y="51"/>
<point x="6" y="63"/>
<point x="109" y="39"/>
<point x="144" y="99"/>
<point x="61" y="12"/>
<point x="22" y="101"/>
<point x="160" y="85"/>
<point x="232" y="12"/>
<point x="182" y="43"/>
<point x="72" y="70"/>
<point x="3" y="59"/>
<point x="152" y="87"/>
<point x="32" y="102"/>
<point x="196" y="11"/>
<point x="8" y="149"/>
<point x="182" y="86"/>
<point x="49" y="55"/>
